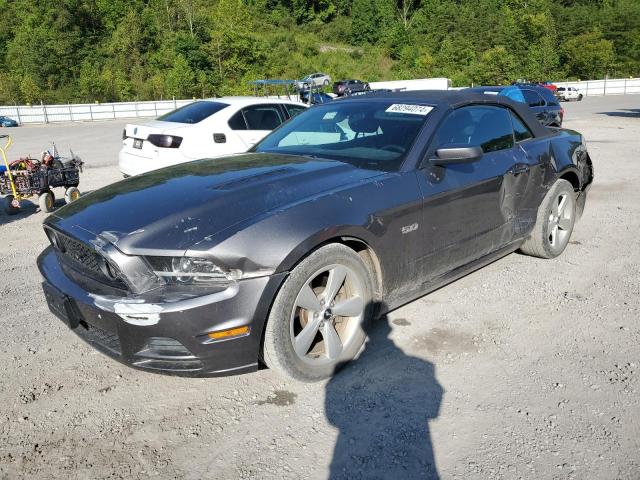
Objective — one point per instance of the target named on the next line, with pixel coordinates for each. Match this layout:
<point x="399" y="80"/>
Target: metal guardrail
<point x="607" y="86"/>
<point x="110" y="111"/>
<point x="89" y="111"/>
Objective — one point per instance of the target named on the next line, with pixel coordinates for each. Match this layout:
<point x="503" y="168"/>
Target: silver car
<point x="314" y="80"/>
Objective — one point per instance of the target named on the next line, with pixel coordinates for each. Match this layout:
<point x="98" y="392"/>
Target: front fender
<point x="374" y="212"/>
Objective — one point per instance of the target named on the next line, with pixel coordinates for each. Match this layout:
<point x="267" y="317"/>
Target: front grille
<point x="99" y="337"/>
<point x="80" y="253"/>
<point x="84" y="259"/>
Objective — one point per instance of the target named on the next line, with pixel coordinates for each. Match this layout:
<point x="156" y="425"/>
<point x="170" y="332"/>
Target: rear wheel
<point x="71" y="194"/>
<point x="46" y="200"/>
<point x="580" y="97"/>
<point x="11" y="205"/>
<point x="317" y="319"/>
<point x="554" y="224"/>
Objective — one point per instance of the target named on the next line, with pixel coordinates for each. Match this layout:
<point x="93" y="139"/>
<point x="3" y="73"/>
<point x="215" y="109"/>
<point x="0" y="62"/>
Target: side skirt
<point x="450" y="277"/>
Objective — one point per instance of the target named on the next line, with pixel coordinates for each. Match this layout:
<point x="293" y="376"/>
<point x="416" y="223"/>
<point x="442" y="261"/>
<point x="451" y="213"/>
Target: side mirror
<point x="451" y="154"/>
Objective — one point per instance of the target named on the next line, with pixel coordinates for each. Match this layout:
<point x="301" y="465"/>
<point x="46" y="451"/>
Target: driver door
<point x="466" y="212"/>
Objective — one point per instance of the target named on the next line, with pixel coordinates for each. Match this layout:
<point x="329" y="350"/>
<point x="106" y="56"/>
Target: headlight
<point x="191" y="271"/>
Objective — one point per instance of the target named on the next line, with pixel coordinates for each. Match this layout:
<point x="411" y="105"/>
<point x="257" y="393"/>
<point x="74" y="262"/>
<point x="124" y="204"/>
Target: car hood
<point x="173" y="208"/>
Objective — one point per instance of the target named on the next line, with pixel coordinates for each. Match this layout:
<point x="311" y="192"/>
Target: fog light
<point x="228" y="333"/>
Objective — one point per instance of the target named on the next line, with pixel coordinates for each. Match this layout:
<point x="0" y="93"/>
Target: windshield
<point x="193" y="113"/>
<point x="368" y="134"/>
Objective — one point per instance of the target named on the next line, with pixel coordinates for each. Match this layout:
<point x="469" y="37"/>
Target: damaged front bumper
<point x="165" y="335"/>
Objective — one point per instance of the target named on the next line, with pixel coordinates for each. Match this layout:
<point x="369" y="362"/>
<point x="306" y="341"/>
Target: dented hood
<point x="176" y="207"/>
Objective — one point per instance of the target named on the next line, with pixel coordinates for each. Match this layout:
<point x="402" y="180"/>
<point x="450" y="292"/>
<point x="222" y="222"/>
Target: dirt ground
<point x="525" y="369"/>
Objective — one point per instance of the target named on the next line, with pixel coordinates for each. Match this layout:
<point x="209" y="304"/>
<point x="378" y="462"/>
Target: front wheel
<point x="317" y="320"/>
<point x="554" y="223"/>
<point x="11" y="205"/>
<point x="71" y="194"/>
<point x="46" y="200"/>
<point x="580" y="97"/>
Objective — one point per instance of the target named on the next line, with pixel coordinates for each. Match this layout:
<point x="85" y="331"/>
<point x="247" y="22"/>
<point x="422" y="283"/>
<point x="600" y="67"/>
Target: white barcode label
<point x="411" y="109"/>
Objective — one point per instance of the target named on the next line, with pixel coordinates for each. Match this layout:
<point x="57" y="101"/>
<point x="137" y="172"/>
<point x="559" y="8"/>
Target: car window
<point x="294" y="109"/>
<point x="533" y="99"/>
<point x="237" y="122"/>
<point x="262" y="117"/>
<point x="487" y="127"/>
<point x="561" y="89"/>
<point x="376" y="134"/>
<point x="548" y="96"/>
<point x="520" y="130"/>
<point x="193" y="113"/>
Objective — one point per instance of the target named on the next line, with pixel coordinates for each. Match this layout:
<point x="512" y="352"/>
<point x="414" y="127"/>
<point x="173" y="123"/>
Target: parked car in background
<point x="285" y="254"/>
<point x="544" y="104"/>
<point x="313" y="80"/>
<point x="549" y="86"/>
<point x="7" y="122"/>
<point x="347" y="87"/>
<point x="202" y="129"/>
<point x="316" y="97"/>
<point x="569" y="93"/>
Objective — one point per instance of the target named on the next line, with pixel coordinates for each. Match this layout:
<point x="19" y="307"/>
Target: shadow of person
<point x="382" y="403"/>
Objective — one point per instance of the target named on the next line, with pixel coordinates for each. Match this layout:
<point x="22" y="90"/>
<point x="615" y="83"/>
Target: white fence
<point x="89" y="111"/>
<point x="608" y="86"/>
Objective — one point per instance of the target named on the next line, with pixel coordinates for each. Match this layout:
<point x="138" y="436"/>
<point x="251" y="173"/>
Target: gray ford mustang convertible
<point x="279" y="256"/>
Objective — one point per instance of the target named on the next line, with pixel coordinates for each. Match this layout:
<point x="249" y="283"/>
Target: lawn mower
<point x="26" y="177"/>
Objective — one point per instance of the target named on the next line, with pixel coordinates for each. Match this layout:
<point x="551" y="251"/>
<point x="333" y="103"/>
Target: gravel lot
<point x="525" y="369"/>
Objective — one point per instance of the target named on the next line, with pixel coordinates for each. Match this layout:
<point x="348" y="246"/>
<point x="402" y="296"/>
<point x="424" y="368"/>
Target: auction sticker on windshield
<point x="412" y="109"/>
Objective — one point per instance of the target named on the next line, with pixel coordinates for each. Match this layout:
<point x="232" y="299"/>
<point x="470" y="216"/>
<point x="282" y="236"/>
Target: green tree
<point x="588" y="55"/>
<point x="496" y="66"/>
<point x="30" y="90"/>
<point x="372" y="20"/>
<point x="180" y="80"/>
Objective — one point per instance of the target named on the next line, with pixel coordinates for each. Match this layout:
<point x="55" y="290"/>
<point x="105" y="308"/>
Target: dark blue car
<point x="7" y="122"/>
<point x="546" y="107"/>
<point x="316" y="97"/>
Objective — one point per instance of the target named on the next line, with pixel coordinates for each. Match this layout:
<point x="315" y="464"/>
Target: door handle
<point x="519" y="168"/>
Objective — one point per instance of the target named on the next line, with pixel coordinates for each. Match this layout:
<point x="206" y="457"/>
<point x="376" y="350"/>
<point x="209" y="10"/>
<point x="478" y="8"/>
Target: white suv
<point x="568" y="93"/>
<point x="202" y="129"/>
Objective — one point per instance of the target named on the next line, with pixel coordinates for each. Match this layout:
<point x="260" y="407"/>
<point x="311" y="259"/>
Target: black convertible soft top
<point x="452" y="99"/>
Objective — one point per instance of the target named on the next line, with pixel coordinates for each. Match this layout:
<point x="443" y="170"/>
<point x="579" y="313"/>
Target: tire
<point x="315" y="357"/>
<point x="47" y="201"/>
<point x="554" y="223"/>
<point x="348" y="92"/>
<point x="9" y="208"/>
<point x="71" y="194"/>
<point x="580" y="97"/>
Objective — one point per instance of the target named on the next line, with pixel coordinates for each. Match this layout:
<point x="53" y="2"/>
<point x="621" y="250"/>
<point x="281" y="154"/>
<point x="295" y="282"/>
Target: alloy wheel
<point x="327" y="314"/>
<point x="560" y="222"/>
